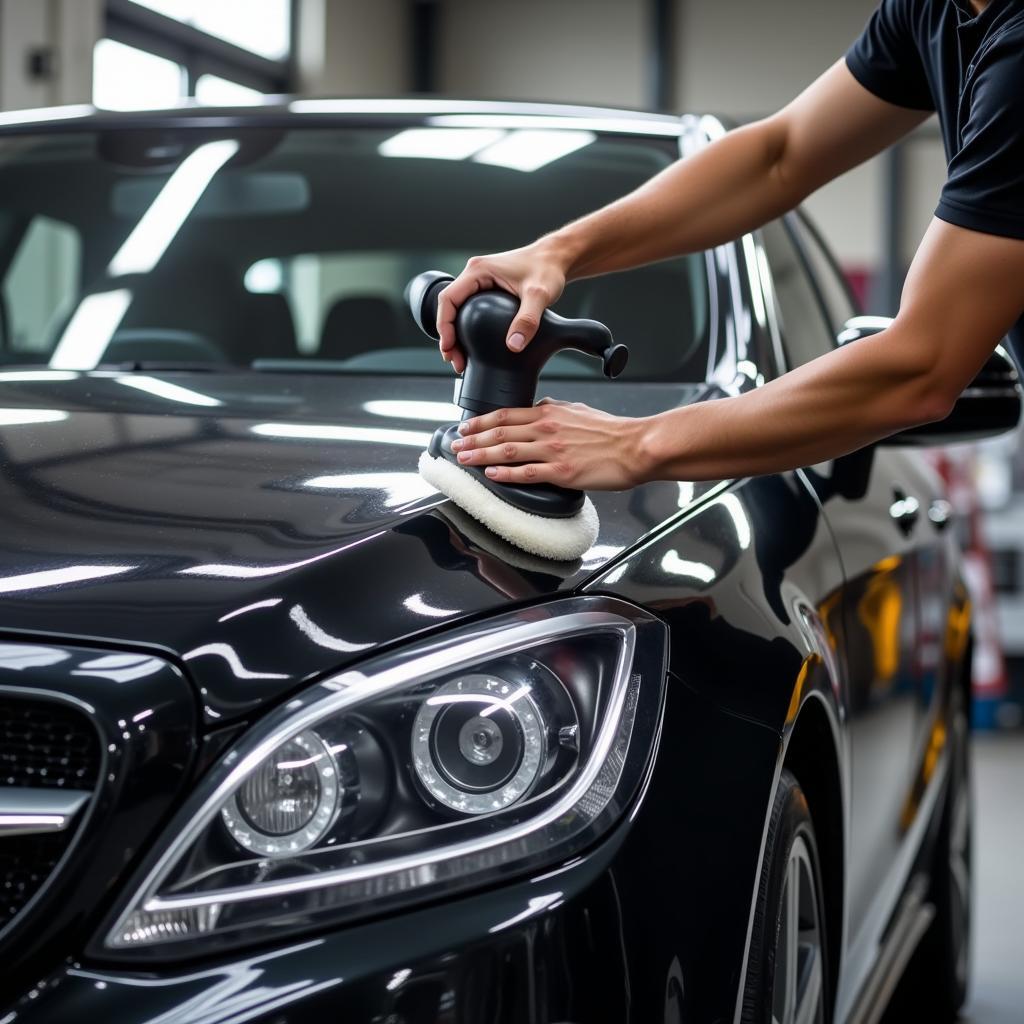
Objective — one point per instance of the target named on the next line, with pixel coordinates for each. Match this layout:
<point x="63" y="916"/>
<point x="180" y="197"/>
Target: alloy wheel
<point x="798" y="992"/>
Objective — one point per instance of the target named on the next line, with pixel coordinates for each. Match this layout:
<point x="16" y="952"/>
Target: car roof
<point x="279" y="111"/>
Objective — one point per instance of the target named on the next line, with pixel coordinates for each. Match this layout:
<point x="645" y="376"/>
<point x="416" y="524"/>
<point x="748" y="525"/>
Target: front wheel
<point x="787" y="969"/>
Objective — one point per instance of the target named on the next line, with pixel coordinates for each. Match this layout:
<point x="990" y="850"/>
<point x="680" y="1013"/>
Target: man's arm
<point x="963" y="293"/>
<point x="738" y="183"/>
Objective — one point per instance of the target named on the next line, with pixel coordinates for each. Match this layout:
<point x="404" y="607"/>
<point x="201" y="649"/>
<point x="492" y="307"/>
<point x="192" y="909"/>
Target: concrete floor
<point x="997" y="988"/>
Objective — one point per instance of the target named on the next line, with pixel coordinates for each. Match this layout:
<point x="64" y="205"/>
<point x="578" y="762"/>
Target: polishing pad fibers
<point x="559" y="539"/>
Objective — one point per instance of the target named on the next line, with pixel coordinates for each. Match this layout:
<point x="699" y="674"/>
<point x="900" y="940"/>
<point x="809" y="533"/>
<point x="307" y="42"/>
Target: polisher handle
<point x="495" y="376"/>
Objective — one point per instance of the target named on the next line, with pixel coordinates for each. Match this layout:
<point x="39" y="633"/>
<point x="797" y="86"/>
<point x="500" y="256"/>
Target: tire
<point x="787" y="968"/>
<point x="934" y="986"/>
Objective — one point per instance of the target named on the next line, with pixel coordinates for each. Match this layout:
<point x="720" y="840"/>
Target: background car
<point x="287" y="737"/>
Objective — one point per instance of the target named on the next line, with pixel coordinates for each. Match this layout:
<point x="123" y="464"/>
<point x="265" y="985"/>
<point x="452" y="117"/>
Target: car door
<point x="920" y="502"/>
<point x="872" y="499"/>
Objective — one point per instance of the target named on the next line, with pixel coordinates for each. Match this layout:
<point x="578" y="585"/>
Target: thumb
<point x="527" y="320"/>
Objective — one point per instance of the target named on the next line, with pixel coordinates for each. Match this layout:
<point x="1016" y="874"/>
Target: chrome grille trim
<point x="26" y="812"/>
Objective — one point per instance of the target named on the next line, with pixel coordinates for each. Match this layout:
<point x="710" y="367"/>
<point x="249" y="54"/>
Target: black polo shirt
<point x="969" y="68"/>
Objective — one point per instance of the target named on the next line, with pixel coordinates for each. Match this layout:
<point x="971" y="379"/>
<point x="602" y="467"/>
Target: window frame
<point x="798" y="224"/>
<point x="199" y="52"/>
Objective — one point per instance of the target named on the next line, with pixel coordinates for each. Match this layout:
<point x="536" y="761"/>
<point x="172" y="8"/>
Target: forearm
<point x="739" y="182"/>
<point x="825" y="409"/>
<point x="731" y="187"/>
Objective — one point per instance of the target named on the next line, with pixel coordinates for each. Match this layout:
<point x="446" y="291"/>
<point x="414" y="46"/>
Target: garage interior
<point x="739" y="59"/>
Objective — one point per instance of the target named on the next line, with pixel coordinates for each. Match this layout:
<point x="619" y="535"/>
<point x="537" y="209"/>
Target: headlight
<point x="487" y="751"/>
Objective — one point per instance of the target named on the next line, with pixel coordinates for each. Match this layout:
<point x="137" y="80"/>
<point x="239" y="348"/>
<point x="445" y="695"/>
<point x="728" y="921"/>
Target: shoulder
<point x="997" y="80"/>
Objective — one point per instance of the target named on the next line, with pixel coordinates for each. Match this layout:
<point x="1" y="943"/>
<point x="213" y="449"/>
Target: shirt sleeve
<point x="984" y="189"/>
<point x="886" y="60"/>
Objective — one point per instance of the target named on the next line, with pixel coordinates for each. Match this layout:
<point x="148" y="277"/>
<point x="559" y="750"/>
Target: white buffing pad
<point x="559" y="539"/>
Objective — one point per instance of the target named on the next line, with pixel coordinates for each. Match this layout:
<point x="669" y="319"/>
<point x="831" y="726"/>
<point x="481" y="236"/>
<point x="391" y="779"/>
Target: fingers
<point x="531" y="473"/>
<point x="509" y="451"/>
<point x="455" y="356"/>
<point x="533" y="301"/>
<point x="448" y="302"/>
<point x="499" y="418"/>
<point x="497" y="435"/>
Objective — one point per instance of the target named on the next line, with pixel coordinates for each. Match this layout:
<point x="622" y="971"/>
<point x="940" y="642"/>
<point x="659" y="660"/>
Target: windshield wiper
<point x="147" y="365"/>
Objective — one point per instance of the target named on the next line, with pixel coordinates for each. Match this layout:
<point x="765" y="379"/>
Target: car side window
<point x="805" y="332"/>
<point x="40" y="285"/>
<point x="839" y="304"/>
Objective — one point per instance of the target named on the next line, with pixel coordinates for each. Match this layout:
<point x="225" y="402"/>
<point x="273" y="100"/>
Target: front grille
<point x="25" y="863"/>
<point x="45" y="743"/>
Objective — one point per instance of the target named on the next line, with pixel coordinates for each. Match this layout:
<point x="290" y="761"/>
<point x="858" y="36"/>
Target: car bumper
<point x="650" y="925"/>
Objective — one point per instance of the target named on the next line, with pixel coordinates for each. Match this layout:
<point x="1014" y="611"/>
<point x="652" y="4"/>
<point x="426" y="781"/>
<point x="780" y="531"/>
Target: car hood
<point x="259" y="529"/>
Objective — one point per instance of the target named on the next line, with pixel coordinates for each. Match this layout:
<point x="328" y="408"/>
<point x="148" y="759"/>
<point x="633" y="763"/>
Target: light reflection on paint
<point x="413" y="409"/>
<point x="120" y="668"/>
<point x="399" y="488"/>
<point x="601" y="553"/>
<point x="687" y="489"/>
<point x="37" y="375"/>
<point x="740" y="522"/>
<point x="334" y="432"/>
<point x="165" y="389"/>
<point x="227" y="652"/>
<point x="269" y="603"/>
<point x="27" y="417"/>
<point x="320" y="636"/>
<point x="416" y="604"/>
<point x="672" y="563"/>
<point x="754" y="279"/>
<point x="44" y="579"/>
<point x="250" y="572"/>
<point x="37" y="114"/>
<point x="526" y="121"/>
<point x="534" y="906"/>
<point x="16" y="657"/>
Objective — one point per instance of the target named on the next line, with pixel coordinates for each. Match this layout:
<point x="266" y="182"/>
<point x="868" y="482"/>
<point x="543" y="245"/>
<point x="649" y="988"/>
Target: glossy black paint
<point x="260" y="542"/>
<point x="147" y="719"/>
<point x="264" y="540"/>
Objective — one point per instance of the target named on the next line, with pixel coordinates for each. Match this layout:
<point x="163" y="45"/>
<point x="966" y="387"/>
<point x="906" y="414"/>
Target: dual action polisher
<point x="544" y="519"/>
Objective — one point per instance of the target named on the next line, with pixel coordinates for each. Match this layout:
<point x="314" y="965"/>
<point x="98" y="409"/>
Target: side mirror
<point x="989" y="406"/>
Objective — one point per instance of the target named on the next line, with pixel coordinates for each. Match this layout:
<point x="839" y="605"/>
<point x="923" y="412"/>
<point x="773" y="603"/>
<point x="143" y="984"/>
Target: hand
<point x="563" y="443"/>
<point x="534" y="273"/>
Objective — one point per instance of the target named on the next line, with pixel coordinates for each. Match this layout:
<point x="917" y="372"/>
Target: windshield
<point x="291" y="249"/>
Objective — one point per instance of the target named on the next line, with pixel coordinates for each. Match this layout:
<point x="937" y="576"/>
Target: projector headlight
<point x="488" y="751"/>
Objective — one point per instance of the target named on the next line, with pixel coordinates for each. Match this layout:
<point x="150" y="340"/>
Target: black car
<point x="286" y="737"/>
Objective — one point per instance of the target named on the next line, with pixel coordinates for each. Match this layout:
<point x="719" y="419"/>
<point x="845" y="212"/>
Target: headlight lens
<point x="479" y="743"/>
<point x="488" y="751"/>
<point x="289" y="802"/>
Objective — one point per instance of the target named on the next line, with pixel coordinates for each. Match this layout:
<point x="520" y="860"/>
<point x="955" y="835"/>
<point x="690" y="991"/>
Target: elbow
<point x="932" y="399"/>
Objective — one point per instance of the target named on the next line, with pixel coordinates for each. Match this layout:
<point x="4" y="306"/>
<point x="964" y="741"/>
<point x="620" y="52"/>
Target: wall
<point x="68" y="29"/>
<point x="353" y="47"/>
<point x="738" y="58"/>
<point x="744" y="59"/>
<point x="586" y="51"/>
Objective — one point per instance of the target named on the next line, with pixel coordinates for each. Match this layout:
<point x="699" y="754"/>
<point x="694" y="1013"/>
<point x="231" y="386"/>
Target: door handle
<point x="940" y="512"/>
<point x="905" y="511"/>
